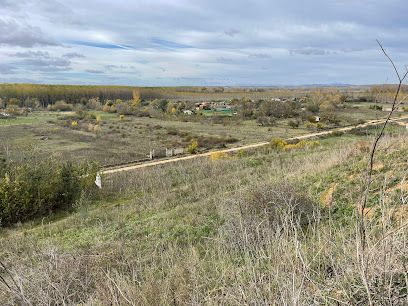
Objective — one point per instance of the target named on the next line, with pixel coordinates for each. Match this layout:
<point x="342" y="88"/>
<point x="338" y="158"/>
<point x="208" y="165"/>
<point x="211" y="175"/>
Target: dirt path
<point x="306" y="136"/>
<point x="256" y="145"/>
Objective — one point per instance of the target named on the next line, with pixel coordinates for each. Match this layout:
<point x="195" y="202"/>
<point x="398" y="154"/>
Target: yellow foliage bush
<point x="289" y="147"/>
<point x="313" y="143"/>
<point x="90" y="127"/>
<point x="121" y="117"/>
<point x="74" y="123"/>
<point x="301" y="144"/>
<point x="218" y="155"/>
<point x="98" y="119"/>
<point x="193" y="148"/>
<point x="97" y="129"/>
<point x="278" y="143"/>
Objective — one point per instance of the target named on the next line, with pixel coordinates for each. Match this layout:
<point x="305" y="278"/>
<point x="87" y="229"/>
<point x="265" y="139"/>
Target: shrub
<point x="124" y="109"/>
<point x="193" y="148"/>
<point x="289" y="147"/>
<point x="33" y="190"/>
<point x="12" y="109"/>
<point x="319" y="126"/>
<point x="293" y="124"/>
<point x="93" y="103"/>
<point x="14" y="101"/>
<point x="61" y="106"/>
<point x="313" y="144"/>
<point x="266" y="120"/>
<point x="241" y="153"/>
<point x="121" y="117"/>
<point x="301" y="144"/>
<point x="83" y="115"/>
<point x="277" y="203"/>
<point x="74" y="123"/>
<point x="278" y="143"/>
<point x="98" y="119"/>
<point x="309" y="125"/>
<point x="218" y="155"/>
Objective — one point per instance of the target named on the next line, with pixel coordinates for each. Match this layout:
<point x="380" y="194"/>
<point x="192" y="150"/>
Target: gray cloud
<point x="232" y="42"/>
<point x="232" y="32"/>
<point x="311" y="51"/>
<point x="260" y="55"/>
<point x="46" y="64"/>
<point x="32" y="54"/>
<point x="222" y="59"/>
<point x="12" y="3"/>
<point x="94" y="71"/>
<point x="42" y="61"/>
<point x="7" y="69"/>
<point x="14" y="33"/>
<point x="73" y="55"/>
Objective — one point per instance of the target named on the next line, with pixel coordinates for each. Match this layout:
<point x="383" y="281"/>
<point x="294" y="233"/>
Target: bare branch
<point x="396" y="71"/>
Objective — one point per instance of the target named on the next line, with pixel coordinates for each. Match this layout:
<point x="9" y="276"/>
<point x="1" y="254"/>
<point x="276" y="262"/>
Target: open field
<point x="272" y="224"/>
<point x="121" y="140"/>
<point x="397" y="126"/>
<point x="207" y="232"/>
<point x="132" y="138"/>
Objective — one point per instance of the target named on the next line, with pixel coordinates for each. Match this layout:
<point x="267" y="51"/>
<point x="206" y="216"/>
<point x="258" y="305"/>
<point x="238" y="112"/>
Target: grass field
<point x="132" y="138"/>
<point x="123" y="140"/>
<point x="268" y="228"/>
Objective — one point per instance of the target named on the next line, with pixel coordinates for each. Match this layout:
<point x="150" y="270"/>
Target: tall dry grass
<point x="233" y="232"/>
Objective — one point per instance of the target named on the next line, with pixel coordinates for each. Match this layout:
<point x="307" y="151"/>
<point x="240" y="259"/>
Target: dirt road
<point x="256" y="145"/>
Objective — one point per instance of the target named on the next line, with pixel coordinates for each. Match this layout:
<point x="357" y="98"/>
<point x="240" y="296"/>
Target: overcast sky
<point x="201" y="42"/>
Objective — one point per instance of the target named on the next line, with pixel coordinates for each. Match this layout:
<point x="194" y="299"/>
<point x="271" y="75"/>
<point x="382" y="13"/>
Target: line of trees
<point x="49" y="94"/>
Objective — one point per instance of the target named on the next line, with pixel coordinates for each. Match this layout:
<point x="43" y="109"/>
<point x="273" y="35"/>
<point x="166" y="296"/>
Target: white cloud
<point x="172" y="42"/>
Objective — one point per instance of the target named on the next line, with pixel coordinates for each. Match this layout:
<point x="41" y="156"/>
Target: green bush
<point x="83" y="115"/>
<point x="241" y="153"/>
<point x="33" y="190"/>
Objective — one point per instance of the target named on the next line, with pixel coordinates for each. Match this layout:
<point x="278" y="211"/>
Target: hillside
<point x="273" y="227"/>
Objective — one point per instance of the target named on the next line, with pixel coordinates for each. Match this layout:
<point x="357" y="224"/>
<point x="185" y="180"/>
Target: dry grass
<point x="243" y="231"/>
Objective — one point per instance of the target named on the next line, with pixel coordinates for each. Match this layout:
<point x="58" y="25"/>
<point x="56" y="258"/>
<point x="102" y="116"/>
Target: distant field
<point x="132" y="138"/>
<point x="121" y="140"/>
